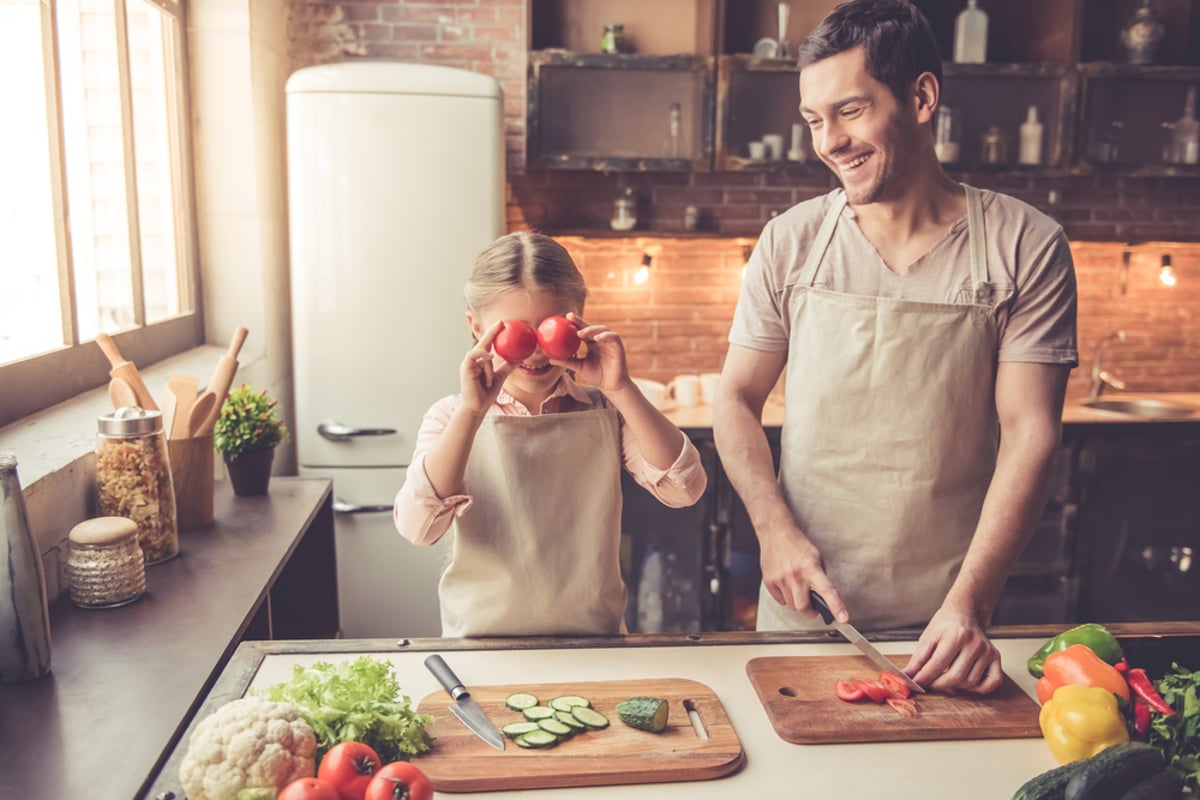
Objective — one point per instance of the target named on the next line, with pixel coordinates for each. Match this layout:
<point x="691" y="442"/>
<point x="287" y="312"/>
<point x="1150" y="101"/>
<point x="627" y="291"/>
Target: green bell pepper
<point x="1095" y="637"/>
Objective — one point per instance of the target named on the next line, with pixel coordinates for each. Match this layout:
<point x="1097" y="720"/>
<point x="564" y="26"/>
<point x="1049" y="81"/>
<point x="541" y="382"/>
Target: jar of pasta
<point x="133" y="479"/>
<point x="105" y="565"/>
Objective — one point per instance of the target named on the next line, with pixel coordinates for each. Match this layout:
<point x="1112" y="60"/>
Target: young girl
<point x="525" y="463"/>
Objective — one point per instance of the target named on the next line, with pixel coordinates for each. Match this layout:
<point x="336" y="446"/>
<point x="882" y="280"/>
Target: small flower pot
<point x="250" y="473"/>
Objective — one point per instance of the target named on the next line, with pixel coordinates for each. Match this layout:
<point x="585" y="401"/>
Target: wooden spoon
<point x="200" y="412"/>
<point x="121" y="393"/>
<point x="184" y="388"/>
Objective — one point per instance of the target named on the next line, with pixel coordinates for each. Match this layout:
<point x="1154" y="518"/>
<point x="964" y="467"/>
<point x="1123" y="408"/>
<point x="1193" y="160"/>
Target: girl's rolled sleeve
<point x="420" y="515"/>
<point x="679" y="485"/>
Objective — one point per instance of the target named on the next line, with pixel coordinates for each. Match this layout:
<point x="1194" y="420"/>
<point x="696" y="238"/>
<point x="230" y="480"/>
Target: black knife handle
<point x="820" y="606"/>
<point x="446" y="677"/>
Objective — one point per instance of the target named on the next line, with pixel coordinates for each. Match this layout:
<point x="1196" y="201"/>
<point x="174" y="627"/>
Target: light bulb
<point x="1166" y="273"/>
<point x="642" y="275"/>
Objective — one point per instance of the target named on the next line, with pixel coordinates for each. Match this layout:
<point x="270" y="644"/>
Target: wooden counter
<point x="943" y="770"/>
<point x="125" y="681"/>
<point x="1075" y="413"/>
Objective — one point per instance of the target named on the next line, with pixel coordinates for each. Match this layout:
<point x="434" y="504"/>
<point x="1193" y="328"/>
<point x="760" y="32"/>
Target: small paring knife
<point x="465" y="708"/>
<point x="855" y="638"/>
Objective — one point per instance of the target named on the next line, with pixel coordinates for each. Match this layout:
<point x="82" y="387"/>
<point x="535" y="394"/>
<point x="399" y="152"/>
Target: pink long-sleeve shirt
<point x="423" y="517"/>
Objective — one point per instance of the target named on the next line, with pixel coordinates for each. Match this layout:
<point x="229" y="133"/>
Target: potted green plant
<point x="245" y="434"/>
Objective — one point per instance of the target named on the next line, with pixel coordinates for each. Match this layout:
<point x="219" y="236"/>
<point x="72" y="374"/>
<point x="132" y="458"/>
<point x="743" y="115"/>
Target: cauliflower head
<point x="247" y="744"/>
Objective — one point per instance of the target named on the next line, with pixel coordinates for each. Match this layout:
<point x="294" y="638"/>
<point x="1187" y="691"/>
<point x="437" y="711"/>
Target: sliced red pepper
<point x="903" y="705"/>
<point x="848" y="691"/>
<point x="873" y="689"/>
<point x="1140" y="683"/>
<point x="1141" y="720"/>
<point x="894" y="684"/>
<point x="1122" y="665"/>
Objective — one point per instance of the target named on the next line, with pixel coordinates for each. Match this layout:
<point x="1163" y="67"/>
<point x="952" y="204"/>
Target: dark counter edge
<point x="239" y="673"/>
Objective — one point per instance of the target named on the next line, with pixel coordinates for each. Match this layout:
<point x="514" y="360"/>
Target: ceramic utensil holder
<point x="192" y="474"/>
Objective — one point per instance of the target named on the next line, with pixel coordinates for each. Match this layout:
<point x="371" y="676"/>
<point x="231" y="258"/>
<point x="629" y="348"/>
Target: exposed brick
<point x="416" y="33"/>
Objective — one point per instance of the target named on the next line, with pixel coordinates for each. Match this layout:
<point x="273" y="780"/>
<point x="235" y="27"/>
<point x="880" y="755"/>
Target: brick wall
<point x="677" y="320"/>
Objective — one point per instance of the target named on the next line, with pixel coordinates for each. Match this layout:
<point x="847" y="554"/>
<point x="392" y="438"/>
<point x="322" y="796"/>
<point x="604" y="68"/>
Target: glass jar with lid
<point x="133" y="479"/>
<point x="105" y="565"/>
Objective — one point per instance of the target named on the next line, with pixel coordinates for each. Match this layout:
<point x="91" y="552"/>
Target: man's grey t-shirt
<point x="1029" y="264"/>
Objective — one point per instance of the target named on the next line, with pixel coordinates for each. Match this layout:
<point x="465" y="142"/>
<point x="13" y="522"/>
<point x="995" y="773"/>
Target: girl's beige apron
<point x="538" y="552"/>
<point x="889" y="438"/>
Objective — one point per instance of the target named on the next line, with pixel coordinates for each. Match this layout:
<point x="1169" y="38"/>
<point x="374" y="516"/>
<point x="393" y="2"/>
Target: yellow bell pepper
<point x="1080" y="721"/>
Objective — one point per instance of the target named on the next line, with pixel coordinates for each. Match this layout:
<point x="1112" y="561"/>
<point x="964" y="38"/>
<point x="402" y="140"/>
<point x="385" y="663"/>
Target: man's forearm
<point x="1015" y="499"/>
<point x="746" y="460"/>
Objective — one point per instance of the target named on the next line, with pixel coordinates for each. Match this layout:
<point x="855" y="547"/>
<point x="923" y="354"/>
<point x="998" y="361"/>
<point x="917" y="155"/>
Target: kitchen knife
<point x="855" y="638"/>
<point x="465" y="708"/>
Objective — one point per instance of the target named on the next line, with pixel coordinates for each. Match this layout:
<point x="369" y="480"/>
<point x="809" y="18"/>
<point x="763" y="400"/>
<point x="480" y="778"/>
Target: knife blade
<point x="465" y="709"/>
<point x="855" y="638"/>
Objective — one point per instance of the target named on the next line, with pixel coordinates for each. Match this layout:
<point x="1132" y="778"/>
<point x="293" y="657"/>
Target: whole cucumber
<point x="1108" y="774"/>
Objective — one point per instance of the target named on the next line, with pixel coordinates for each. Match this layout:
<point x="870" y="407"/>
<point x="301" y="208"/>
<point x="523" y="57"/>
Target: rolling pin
<point x="126" y="371"/>
<point x="218" y="385"/>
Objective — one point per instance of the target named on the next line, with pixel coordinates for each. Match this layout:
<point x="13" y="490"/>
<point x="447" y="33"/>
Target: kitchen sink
<point x="1140" y="408"/>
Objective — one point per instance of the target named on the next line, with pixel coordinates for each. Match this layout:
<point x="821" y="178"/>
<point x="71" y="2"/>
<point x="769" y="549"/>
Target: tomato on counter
<point x="349" y="767"/>
<point x="308" y="789"/>
<point x="399" y="780"/>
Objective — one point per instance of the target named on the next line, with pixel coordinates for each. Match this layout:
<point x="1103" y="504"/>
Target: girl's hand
<point x="482" y="373"/>
<point x="604" y="365"/>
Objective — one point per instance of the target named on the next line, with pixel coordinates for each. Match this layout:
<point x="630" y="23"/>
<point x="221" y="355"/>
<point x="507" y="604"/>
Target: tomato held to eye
<point x="399" y="780"/>
<point x="558" y="338"/>
<point x="348" y="767"/>
<point x="308" y="789"/>
<point x="515" y="341"/>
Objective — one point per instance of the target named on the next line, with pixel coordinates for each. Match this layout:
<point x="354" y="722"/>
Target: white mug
<point x="685" y="390"/>
<point x="773" y="144"/>
<point x="654" y="391"/>
<point x="708" y="387"/>
<point x="758" y="151"/>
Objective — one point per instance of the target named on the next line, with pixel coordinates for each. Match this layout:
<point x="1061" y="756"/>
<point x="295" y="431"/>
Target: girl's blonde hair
<point x="523" y="260"/>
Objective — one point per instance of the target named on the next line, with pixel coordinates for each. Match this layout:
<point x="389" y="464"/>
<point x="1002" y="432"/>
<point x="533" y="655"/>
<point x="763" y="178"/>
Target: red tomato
<point x="515" y="341"/>
<point x="894" y="684"/>
<point x="348" y="767"/>
<point x="308" y="789"/>
<point x="873" y="689"/>
<point x="848" y="691"/>
<point x="558" y="338"/>
<point x="399" y="780"/>
<point x="904" y="706"/>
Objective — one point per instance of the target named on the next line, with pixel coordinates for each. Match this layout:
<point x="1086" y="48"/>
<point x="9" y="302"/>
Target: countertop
<point x="1075" y="413"/>
<point x="124" y="681"/>
<point x="774" y="768"/>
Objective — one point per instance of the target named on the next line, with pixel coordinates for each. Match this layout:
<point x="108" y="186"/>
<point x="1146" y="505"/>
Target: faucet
<point x="1101" y="376"/>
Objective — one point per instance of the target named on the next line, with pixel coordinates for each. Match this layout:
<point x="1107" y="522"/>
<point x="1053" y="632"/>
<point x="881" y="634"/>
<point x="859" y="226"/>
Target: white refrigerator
<point x="395" y="183"/>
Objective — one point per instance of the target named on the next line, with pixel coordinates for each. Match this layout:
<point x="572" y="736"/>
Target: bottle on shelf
<point x="613" y="39"/>
<point x="970" y="35"/>
<point x="1142" y="35"/>
<point x="1030" y="151"/>
<point x="674" y="125"/>
<point x="624" y="216"/>
<point x="1185" y="133"/>
<point x="24" y="613"/>
<point x="946" y="135"/>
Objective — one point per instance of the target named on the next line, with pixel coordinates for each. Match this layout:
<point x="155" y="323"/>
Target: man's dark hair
<point x="894" y="35"/>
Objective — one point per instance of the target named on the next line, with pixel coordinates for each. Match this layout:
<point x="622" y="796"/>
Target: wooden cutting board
<point x="797" y="693"/>
<point x="462" y="762"/>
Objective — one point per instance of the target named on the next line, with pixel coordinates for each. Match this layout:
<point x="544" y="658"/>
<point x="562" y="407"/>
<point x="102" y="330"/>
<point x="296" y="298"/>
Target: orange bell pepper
<point x="1079" y="666"/>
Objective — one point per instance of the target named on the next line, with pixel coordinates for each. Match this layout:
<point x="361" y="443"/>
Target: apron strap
<point x="808" y="272"/>
<point x="977" y="237"/>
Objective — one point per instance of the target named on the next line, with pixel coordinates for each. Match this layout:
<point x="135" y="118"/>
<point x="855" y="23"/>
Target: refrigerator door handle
<point x="335" y="431"/>
<point x="342" y="507"/>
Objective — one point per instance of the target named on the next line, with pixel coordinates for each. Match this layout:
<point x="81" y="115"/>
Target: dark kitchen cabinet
<point x="612" y="113"/>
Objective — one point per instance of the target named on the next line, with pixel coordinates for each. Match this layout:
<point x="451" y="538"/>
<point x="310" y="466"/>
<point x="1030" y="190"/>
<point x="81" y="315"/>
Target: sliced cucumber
<point x="567" y="718"/>
<point x="518" y="728"/>
<point x="589" y="717"/>
<point x="535" y="713"/>
<point x="568" y="701"/>
<point x="556" y="727"/>
<point x="520" y="701"/>
<point x="537" y="739"/>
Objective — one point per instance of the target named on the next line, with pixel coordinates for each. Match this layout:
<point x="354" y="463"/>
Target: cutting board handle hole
<point x="787" y="691"/>
<point x="694" y="717"/>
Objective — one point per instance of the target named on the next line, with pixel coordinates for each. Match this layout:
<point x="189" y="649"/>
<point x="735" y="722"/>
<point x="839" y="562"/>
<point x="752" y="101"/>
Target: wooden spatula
<point x="121" y="393"/>
<point x="126" y="371"/>
<point x="200" y="412"/>
<point x="183" y="387"/>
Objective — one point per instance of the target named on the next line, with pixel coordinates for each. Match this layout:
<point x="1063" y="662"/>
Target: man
<point x="927" y="329"/>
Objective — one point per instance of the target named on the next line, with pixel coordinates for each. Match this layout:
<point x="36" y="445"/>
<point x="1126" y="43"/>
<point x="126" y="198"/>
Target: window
<point x="95" y="195"/>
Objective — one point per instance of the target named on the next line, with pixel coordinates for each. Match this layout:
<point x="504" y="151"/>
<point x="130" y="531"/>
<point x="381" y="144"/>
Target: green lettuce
<point x="356" y="701"/>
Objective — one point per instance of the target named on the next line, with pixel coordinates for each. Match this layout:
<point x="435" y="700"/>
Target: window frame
<point x="44" y="379"/>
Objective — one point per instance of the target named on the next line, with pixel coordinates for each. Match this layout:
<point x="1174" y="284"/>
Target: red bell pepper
<point x="1140" y="683"/>
<point x="1122" y="666"/>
